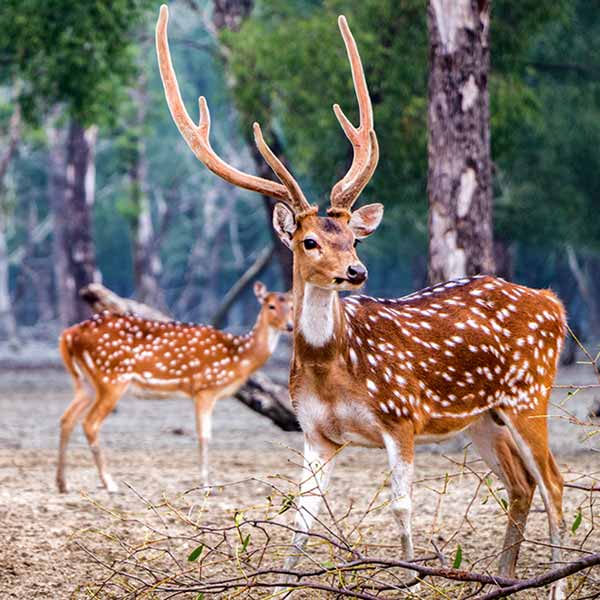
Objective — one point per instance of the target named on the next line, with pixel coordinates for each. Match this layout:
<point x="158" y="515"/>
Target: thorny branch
<point x="240" y="555"/>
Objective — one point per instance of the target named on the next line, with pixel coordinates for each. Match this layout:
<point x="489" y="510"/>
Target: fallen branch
<point x="546" y="578"/>
<point x="253" y="271"/>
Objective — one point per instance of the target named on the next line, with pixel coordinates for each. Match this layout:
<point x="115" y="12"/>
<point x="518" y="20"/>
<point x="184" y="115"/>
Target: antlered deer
<point x="115" y="351"/>
<point x="477" y="354"/>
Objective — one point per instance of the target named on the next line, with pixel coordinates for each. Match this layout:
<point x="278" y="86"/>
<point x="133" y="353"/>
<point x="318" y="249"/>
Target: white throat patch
<point x="316" y="318"/>
<point x="273" y="338"/>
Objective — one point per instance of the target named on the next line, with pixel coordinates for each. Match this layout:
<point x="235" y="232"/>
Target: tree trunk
<point x="147" y="264"/>
<point x="72" y="198"/>
<point x="259" y="393"/>
<point x="585" y="286"/>
<point x="8" y="325"/>
<point x="230" y="14"/>
<point x="56" y="195"/>
<point x="283" y="256"/>
<point x="459" y="176"/>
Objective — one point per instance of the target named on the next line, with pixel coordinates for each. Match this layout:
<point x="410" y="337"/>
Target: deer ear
<point x="260" y="290"/>
<point x="284" y="223"/>
<point x="366" y="219"/>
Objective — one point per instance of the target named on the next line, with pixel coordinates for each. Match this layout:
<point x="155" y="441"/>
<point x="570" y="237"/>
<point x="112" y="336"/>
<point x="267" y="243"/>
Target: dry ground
<point x="151" y="445"/>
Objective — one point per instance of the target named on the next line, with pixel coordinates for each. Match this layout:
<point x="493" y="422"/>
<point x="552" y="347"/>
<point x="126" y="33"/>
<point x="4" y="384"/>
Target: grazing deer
<point x="115" y="351"/>
<point x="476" y="354"/>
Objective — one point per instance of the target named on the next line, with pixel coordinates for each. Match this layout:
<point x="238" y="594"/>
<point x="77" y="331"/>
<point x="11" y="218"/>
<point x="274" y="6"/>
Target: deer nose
<point x="356" y="273"/>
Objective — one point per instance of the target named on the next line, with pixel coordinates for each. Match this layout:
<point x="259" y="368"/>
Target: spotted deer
<point x="477" y="354"/>
<point x="115" y="351"/>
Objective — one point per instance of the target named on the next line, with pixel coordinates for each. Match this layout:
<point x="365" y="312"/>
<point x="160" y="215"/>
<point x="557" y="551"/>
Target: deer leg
<point x="106" y="399"/>
<point x="67" y="422"/>
<point x="319" y="459"/>
<point x="497" y="448"/>
<point x="203" y="405"/>
<point x="531" y="439"/>
<point x="400" y="449"/>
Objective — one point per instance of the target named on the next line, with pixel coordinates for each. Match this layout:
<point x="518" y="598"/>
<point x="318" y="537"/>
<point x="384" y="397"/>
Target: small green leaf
<point x="238" y="518"/>
<point x="200" y="596"/>
<point x="488" y="481"/>
<point x="328" y="564"/>
<point x="245" y="543"/>
<point x="287" y="503"/>
<point x="195" y="553"/>
<point x="457" y="557"/>
<point x="577" y="521"/>
<point x="504" y="503"/>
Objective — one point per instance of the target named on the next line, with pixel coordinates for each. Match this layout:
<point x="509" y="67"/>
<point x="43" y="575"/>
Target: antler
<point x="197" y="136"/>
<point x="363" y="138"/>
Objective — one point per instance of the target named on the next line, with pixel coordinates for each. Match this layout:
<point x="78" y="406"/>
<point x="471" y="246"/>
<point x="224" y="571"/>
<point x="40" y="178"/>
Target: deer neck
<point x="318" y="319"/>
<point x="263" y="340"/>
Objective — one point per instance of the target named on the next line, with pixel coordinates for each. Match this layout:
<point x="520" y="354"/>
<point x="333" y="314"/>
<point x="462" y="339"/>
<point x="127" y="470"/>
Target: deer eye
<point x="310" y="244"/>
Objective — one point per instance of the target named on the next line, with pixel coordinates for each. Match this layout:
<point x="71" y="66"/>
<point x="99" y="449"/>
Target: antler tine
<point x="363" y="138"/>
<point x="299" y="202"/>
<point x="197" y="136"/>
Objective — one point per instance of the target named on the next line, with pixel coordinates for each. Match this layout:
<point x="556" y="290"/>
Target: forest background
<point x="97" y="184"/>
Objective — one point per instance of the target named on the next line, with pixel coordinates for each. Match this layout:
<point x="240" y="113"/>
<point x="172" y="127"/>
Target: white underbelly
<point x="436" y="438"/>
<point x="153" y="393"/>
<point x="345" y="422"/>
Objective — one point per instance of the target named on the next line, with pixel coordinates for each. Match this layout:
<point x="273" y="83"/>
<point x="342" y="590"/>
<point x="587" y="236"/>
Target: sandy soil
<point x="150" y="445"/>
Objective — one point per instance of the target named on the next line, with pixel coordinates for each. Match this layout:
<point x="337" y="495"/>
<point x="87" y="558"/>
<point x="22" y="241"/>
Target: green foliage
<point x="549" y="184"/>
<point x="457" y="557"/>
<point x="289" y="66"/>
<point x="195" y="553"/>
<point x="79" y="54"/>
<point x="577" y="521"/>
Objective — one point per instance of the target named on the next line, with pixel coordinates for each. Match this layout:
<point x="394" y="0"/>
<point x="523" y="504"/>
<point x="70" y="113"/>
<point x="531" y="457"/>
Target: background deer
<point x="477" y="354"/>
<point x="115" y="351"/>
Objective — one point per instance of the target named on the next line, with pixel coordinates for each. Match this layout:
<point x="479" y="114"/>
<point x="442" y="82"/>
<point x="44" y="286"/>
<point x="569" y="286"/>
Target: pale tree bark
<point x="198" y="299"/>
<point x="57" y="161"/>
<point x="8" y="325"/>
<point x="72" y="183"/>
<point x="459" y="176"/>
<point x="147" y="264"/>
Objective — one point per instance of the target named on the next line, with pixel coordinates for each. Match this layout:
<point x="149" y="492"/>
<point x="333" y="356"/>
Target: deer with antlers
<point x="115" y="351"/>
<point x="477" y="354"/>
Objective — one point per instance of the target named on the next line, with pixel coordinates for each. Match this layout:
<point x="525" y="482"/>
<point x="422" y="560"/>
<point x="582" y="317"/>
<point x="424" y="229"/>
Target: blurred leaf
<point x="195" y="554"/>
<point x="577" y="521"/>
<point x="287" y="503"/>
<point x="457" y="557"/>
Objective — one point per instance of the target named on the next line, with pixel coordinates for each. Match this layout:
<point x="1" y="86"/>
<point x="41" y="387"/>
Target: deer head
<point x="324" y="247"/>
<point x="276" y="307"/>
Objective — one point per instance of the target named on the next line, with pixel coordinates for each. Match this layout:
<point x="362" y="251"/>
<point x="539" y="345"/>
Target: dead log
<point x="260" y="393"/>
